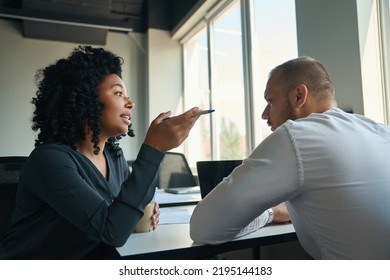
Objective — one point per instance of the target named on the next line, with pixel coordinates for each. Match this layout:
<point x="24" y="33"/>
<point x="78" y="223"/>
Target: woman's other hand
<point x="156" y="216"/>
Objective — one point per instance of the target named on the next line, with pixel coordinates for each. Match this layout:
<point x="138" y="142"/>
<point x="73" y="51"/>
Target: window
<point x="227" y="85"/>
<point x="221" y="74"/>
<point x="274" y="42"/>
<point x="371" y="62"/>
<point x="197" y="91"/>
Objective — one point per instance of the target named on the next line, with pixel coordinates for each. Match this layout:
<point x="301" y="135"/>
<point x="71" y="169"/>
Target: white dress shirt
<point x="333" y="171"/>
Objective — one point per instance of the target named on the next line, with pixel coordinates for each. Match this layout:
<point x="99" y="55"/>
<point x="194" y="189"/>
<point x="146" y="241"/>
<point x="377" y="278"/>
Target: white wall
<point x="19" y="60"/>
<point x="164" y="73"/>
<point x="328" y="31"/>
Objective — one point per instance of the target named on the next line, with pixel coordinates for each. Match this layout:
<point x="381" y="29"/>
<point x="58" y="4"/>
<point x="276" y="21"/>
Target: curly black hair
<point x="67" y="97"/>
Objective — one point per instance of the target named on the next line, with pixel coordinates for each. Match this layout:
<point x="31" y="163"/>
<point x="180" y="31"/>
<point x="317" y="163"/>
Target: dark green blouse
<point x="66" y="209"/>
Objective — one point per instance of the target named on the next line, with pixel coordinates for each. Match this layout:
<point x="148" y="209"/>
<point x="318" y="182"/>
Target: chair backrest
<point x="175" y="172"/>
<point x="10" y="168"/>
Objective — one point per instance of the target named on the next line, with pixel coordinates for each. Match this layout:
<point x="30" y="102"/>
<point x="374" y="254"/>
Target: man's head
<point x="296" y="89"/>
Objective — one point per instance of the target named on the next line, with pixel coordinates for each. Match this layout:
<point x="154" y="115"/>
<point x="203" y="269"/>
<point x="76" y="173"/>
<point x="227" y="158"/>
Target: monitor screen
<point x="210" y="173"/>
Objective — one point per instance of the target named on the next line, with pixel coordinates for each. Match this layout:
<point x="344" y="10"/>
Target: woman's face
<point x="116" y="113"/>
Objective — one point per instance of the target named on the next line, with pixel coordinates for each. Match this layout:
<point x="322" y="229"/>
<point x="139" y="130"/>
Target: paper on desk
<point x="164" y="197"/>
<point x="174" y="215"/>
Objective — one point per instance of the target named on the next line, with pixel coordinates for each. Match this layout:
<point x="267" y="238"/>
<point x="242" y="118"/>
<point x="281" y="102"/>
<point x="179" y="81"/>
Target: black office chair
<point x="175" y="172"/>
<point x="10" y="168"/>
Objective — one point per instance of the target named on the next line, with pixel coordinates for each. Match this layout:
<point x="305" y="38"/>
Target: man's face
<point x="279" y="108"/>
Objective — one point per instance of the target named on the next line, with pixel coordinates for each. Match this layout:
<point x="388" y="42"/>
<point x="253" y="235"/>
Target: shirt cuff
<point x="270" y="213"/>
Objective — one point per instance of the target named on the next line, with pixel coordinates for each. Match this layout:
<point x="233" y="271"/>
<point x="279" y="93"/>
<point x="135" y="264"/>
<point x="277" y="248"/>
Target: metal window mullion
<point x="213" y="127"/>
<point x="246" y="22"/>
<point x="383" y="25"/>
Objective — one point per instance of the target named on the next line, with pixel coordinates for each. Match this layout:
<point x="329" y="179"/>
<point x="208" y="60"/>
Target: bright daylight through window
<point x="214" y="63"/>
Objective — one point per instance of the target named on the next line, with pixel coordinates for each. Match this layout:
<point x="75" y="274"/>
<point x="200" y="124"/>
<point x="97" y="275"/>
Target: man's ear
<point x="299" y="96"/>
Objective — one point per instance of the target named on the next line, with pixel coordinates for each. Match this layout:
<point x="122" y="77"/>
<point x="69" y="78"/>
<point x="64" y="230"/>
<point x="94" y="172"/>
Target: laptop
<point x="183" y="190"/>
<point x="210" y="173"/>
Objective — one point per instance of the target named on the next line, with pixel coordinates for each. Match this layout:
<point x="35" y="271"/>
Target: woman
<point x="76" y="198"/>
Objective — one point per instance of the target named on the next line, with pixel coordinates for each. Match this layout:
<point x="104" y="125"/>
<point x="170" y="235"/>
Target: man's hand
<point x="280" y="213"/>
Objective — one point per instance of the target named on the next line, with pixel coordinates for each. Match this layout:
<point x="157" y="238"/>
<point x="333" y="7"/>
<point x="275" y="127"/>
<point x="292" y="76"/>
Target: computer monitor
<point x="210" y="173"/>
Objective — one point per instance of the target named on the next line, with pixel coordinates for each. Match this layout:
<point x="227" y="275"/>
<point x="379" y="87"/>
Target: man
<point x="332" y="168"/>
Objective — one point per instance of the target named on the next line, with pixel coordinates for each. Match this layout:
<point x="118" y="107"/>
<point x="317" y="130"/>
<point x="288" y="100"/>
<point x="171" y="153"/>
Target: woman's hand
<point x="156" y="216"/>
<point x="166" y="133"/>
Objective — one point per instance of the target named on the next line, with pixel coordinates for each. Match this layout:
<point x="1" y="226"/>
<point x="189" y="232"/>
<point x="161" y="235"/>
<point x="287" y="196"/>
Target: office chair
<point x="10" y="168"/>
<point x="175" y="172"/>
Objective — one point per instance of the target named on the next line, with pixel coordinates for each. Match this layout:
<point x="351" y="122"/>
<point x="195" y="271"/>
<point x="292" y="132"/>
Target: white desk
<point x="172" y="241"/>
<point x="165" y="199"/>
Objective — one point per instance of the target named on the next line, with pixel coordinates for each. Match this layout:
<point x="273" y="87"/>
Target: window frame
<point x="253" y="134"/>
<point x="384" y="41"/>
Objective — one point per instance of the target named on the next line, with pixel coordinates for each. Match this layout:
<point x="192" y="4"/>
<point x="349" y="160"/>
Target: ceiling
<point x="88" y="21"/>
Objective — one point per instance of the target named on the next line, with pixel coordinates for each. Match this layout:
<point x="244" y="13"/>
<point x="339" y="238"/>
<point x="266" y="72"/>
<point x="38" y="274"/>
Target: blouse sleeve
<point x="59" y="182"/>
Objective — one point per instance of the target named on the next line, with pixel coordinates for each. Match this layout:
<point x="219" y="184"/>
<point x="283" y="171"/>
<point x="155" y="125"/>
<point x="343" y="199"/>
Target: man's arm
<point x="268" y="177"/>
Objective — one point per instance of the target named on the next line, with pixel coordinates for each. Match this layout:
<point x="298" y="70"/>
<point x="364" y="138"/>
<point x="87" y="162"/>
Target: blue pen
<point x="200" y="112"/>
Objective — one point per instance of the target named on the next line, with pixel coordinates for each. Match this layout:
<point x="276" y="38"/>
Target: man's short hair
<point x="308" y="71"/>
